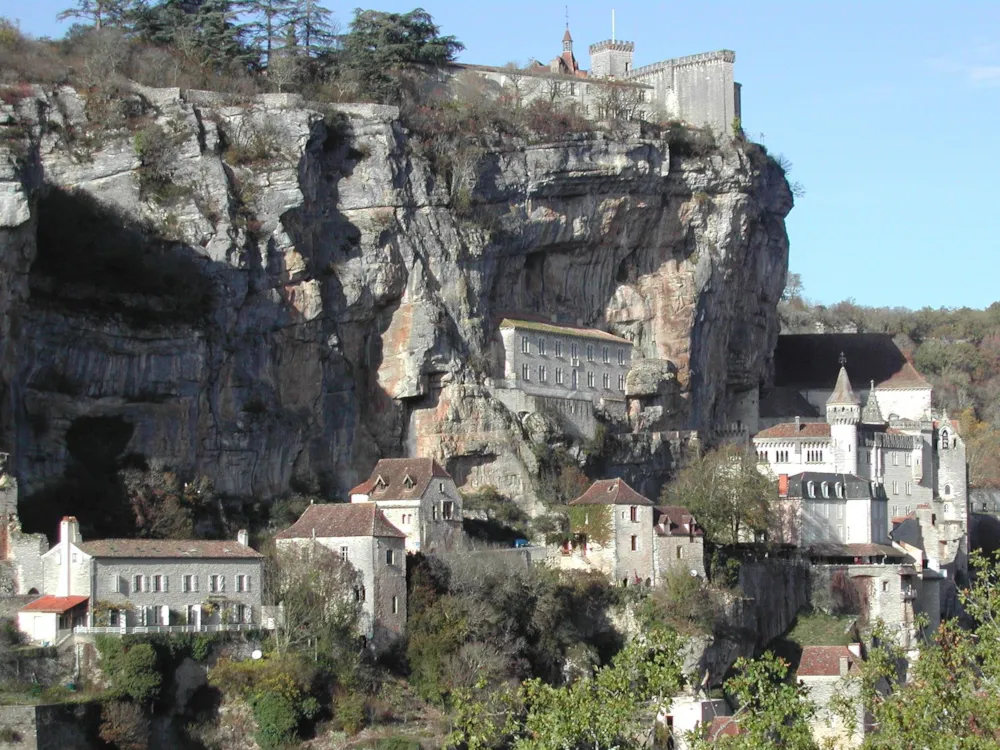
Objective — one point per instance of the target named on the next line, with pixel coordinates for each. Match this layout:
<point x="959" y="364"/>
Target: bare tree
<point x="517" y="85"/>
<point x="619" y="101"/>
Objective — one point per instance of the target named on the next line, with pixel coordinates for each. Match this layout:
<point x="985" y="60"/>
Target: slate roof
<point x="56" y="604"/>
<point x="854" y="486"/>
<point x="561" y="329"/>
<point x="611" y="492"/>
<point x="786" y="402"/>
<point x="843" y="393"/>
<point x="394" y="484"/>
<point x="790" y="430"/>
<point x="872" y="414"/>
<point x="824" y="661"/>
<point x="807" y="360"/>
<point x="167" y="548"/>
<point x="675" y="520"/>
<point x="341" y="520"/>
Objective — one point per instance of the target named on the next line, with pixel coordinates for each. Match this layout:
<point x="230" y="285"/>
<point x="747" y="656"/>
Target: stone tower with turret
<point x="611" y="59"/>
<point x="843" y="414"/>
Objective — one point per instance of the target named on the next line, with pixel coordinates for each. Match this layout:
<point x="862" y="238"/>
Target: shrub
<point x="124" y="726"/>
<point x="349" y="712"/>
<point x="134" y="672"/>
<point x="277" y="719"/>
<point x="396" y="743"/>
<point x="9" y="735"/>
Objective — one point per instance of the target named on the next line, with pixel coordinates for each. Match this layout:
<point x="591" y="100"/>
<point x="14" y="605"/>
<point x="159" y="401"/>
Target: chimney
<point x="782" y="485"/>
<point x="243" y="537"/>
<point x="855" y="648"/>
<point x="69" y="534"/>
<point x="845" y="664"/>
<point x="798" y="423"/>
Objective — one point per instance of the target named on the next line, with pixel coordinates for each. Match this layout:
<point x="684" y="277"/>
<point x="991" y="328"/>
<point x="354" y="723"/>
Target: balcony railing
<point x="132" y="629"/>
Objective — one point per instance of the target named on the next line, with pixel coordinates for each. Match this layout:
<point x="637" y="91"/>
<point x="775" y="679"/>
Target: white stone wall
<point x="54" y="572"/>
<point x="699" y="89"/>
<point x="798" y="451"/>
<point x="827" y="724"/>
<point x="611" y="59"/>
<point x="907" y="403"/>
<point x="628" y="562"/>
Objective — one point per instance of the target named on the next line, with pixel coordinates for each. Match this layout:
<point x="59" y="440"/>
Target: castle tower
<point x="611" y="59"/>
<point x="567" y="41"/>
<point x="843" y="413"/>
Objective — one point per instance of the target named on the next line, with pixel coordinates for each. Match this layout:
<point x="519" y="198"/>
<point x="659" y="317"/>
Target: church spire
<point x="872" y="414"/>
<point x="843" y="393"/>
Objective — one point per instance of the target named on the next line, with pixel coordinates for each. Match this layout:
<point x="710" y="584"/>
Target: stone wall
<point x="699" y="89"/>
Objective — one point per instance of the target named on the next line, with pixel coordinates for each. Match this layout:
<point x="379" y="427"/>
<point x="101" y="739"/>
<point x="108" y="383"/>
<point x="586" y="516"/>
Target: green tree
<point x="314" y="27"/>
<point x="726" y="491"/>
<point x="133" y="670"/>
<point x="98" y="13"/>
<point x="381" y="45"/>
<point x="271" y="18"/>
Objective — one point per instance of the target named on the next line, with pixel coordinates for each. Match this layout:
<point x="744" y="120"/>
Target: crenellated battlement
<point x="609" y="44"/>
<point x="723" y="55"/>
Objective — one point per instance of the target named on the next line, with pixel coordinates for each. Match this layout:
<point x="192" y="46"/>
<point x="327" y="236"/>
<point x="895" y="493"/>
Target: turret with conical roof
<point x="843" y="412"/>
<point x="872" y="414"/>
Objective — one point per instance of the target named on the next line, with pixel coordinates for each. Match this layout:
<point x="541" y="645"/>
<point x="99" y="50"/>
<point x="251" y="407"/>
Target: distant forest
<point x="958" y="350"/>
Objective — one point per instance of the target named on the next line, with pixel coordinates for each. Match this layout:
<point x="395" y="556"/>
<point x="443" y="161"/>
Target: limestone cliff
<point x="268" y="294"/>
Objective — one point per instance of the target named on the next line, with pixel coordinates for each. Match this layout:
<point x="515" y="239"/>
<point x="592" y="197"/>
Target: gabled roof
<point x="341" y="520"/>
<point x="843" y="393"/>
<point x="56" y="604"/>
<point x="611" y="492"/>
<point x="805" y="360"/>
<point x="791" y="430"/>
<point x="854" y="486"/>
<point x="560" y="329"/>
<point x="167" y="548"/>
<point x="400" y="478"/>
<point x="824" y="661"/>
<point x="674" y="520"/>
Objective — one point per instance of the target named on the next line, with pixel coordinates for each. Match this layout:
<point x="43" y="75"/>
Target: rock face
<point x="274" y="296"/>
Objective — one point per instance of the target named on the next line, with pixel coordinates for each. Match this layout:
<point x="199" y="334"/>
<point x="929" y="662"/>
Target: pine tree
<point x="272" y="16"/>
<point x="99" y="13"/>
<point x="315" y="30"/>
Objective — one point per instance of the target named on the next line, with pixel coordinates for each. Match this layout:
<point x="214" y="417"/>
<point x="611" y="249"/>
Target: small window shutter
<point x="194" y="583"/>
<point x="222" y="583"/>
<point x="166" y="584"/>
<point x="246" y="583"/>
<point x="116" y="584"/>
<point x="145" y="583"/>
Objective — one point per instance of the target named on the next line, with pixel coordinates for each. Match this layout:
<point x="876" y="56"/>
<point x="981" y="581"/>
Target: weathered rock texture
<point x="291" y="309"/>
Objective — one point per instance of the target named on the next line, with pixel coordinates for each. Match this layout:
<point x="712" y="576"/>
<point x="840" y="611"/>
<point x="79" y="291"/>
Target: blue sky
<point x="889" y="112"/>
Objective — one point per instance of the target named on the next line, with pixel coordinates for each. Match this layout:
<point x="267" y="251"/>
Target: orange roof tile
<point x="388" y="480"/>
<point x="341" y="520"/>
<point x="56" y="604"/>
<point x="165" y="548"/>
<point x="611" y="492"/>
<point x="905" y="377"/>
<point x="789" y="430"/>
<point x="823" y="661"/>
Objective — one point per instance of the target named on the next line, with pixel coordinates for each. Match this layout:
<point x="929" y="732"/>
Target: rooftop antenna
<point x="612" y="25"/>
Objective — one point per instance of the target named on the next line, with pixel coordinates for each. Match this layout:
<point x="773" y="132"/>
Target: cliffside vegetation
<point x="958" y="350"/>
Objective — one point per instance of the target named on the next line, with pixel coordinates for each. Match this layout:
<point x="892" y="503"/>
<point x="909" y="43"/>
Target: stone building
<point x="678" y="542"/>
<point x="822" y="508"/>
<point x="812" y="419"/>
<point x="153" y="583"/>
<point x="565" y="369"/>
<point x="20" y="553"/>
<point x="419" y="498"/>
<point x="362" y="535"/>
<point x="824" y="670"/>
<point x="626" y="553"/>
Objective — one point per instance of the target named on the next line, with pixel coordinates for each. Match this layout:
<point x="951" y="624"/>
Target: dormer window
<point x="840" y="490"/>
<point x="811" y="486"/>
<point x="944" y="440"/>
<point x="408" y="482"/>
<point x="826" y="489"/>
<point x="379" y="482"/>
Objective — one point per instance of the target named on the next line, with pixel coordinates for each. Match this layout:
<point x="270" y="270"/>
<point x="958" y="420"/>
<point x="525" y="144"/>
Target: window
<point x="680" y="552"/>
<point x="541" y="346"/>
<point x="242" y="584"/>
<point x="885" y="585"/>
<point x="543" y="374"/>
<point x="75" y="558"/>
<point x="895" y="488"/>
<point x="621" y="383"/>
<point x="217" y="584"/>
<point x="814" y="456"/>
<point x="895" y="510"/>
<point x="607" y="381"/>
<point x="590" y="352"/>
<point x="137" y="584"/>
<point x="621" y="357"/>
<point x="434" y="513"/>
<point x="635" y="543"/>
<point x="574" y="379"/>
<point x="826" y="489"/>
<point x="947" y="507"/>
<point x="525" y="345"/>
<point x="840" y="490"/>
<point x="343" y="554"/>
<point x="390" y="557"/>
<point x="159" y="584"/>
<point x="525" y="371"/>
<point x="944" y="440"/>
<point x="189" y="584"/>
<point x="559" y="376"/>
<point x="558" y="347"/>
<point x="947" y="490"/>
<point x="906" y="488"/>
<point x="574" y="350"/>
<point x="359" y="593"/>
<point x="895" y="458"/>
<point x="590" y="378"/>
<point x="607" y="355"/>
<point x="908" y="459"/>
<point x="633" y="513"/>
<point x="811" y="487"/>
<point x="115" y="584"/>
<point x="395" y="605"/>
<point x="447" y="510"/>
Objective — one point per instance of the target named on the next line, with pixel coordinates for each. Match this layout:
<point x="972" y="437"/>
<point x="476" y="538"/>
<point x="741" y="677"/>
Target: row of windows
<point x="814" y="456"/>
<point x="825" y="489"/>
<point x="160" y="583"/>
<point x="560" y="379"/>
<point x="907" y="488"/>
<point x="574" y="350"/>
<point x="390" y="554"/>
<point x="156" y="614"/>
<point x="780" y="457"/>
<point x="866" y="458"/>
<point x="360" y="595"/>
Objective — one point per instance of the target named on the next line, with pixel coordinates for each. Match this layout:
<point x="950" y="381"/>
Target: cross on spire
<point x="842" y="359"/>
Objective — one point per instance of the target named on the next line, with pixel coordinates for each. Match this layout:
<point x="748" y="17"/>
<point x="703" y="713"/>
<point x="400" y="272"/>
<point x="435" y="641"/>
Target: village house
<point x="678" y="542"/>
<point x="821" y="508"/>
<point x="419" y="498"/>
<point x="362" y="535"/>
<point x="144" y="585"/>
<point x="616" y="532"/>
<point x="825" y="671"/>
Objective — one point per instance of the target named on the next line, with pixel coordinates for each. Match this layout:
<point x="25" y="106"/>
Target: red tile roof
<point x="57" y="604"/>
<point x="906" y="377"/>
<point x="165" y="548"/>
<point x="611" y="492"/>
<point x="674" y="520"/>
<point x="400" y="478"/>
<point x="723" y="726"/>
<point x="341" y="520"/>
<point x="823" y="661"/>
<point x="789" y="430"/>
